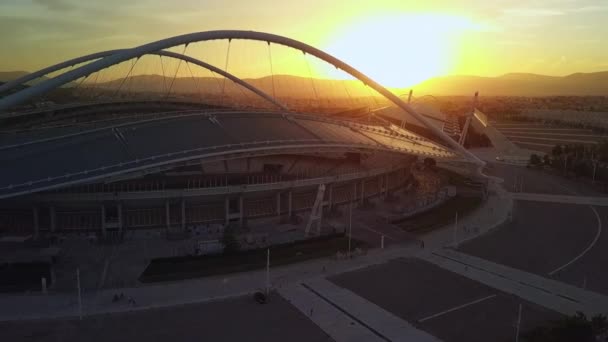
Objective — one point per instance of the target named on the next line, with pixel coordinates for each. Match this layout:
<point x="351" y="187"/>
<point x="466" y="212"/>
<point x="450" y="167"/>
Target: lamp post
<point x="350" y="226"/>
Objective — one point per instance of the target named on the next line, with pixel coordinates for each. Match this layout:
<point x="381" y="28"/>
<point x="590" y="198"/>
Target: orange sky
<point x="397" y="42"/>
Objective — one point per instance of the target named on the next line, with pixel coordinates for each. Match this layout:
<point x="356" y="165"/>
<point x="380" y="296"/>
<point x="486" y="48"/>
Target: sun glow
<point x="400" y="50"/>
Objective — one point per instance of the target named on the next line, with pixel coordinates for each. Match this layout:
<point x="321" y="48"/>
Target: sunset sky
<point x="383" y="38"/>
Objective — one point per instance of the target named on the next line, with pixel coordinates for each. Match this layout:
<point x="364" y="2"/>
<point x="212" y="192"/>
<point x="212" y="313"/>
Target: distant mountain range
<point x="514" y="84"/>
<point x="519" y="84"/>
<point x="6" y="76"/>
<point x="11" y="75"/>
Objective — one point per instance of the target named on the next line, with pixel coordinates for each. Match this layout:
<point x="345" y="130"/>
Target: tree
<point x="599" y="324"/>
<point x="556" y="151"/>
<point x="534" y="159"/>
<point x="572" y="328"/>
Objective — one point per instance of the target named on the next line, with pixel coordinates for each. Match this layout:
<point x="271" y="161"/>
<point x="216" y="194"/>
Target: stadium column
<point x="331" y="196"/>
<point x="103" y="220"/>
<point x="386" y="184"/>
<point x="289" y="205"/>
<point x="362" y="190"/>
<point x="36" y="222"/>
<point x="52" y="217"/>
<point x="167" y="214"/>
<point x="241" y="211"/>
<point x="119" y="209"/>
<point x="227" y="209"/>
<point x="183" y="214"/>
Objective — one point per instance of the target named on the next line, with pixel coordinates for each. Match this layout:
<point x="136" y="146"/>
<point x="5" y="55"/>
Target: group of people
<point x="120" y="297"/>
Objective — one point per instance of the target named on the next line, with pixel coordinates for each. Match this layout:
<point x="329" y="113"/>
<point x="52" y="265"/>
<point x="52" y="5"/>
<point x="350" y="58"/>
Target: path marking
<point x="456" y="308"/>
<point x="597" y="236"/>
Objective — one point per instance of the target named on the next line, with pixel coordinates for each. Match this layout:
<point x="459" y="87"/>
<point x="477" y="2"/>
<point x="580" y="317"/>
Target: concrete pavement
<point x="346" y="316"/>
<point x="560" y="297"/>
<point x="588" y="200"/>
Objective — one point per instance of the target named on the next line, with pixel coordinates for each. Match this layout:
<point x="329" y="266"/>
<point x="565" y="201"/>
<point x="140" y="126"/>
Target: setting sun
<point x="400" y="50"/>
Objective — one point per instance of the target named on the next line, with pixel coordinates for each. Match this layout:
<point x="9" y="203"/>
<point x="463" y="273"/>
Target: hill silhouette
<point x="512" y="84"/>
<point x="519" y="84"/>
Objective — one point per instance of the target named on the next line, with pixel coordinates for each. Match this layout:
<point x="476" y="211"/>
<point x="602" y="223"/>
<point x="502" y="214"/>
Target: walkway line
<point x="456" y="308"/>
<point x="597" y="237"/>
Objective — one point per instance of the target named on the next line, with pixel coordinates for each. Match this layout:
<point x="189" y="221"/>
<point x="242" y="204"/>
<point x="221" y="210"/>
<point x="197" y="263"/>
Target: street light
<point x="350" y="225"/>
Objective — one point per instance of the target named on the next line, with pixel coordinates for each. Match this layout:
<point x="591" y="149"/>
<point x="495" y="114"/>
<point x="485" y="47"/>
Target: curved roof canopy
<point x="125" y="55"/>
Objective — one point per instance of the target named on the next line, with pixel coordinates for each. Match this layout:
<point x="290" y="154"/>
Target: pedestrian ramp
<point x="345" y="316"/>
<point x="569" y="199"/>
<point x="552" y="294"/>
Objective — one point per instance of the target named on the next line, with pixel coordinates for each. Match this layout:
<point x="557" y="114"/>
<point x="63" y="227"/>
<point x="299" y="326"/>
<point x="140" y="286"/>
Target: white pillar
<point x="227" y="210"/>
<point x="331" y="196"/>
<point x="183" y="214"/>
<point x="241" y="211"/>
<point x="362" y="190"/>
<point x="103" y="220"/>
<point x="279" y="204"/>
<point x="52" y="217"/>
<point x="36" y="222"/>
<point x="119" y="209"/>
<point x="79" y="293"/>
<point x="167" y="214"/>
<point x="267" y="271"/>
<point x="289" y="205"/>
<point x="350" y="225"/>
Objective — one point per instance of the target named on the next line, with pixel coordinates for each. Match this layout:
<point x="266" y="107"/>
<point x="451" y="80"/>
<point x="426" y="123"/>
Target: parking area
<point x="447" y="305"/>
<point x="543" y="137"/>
<point x="238" y="319"/>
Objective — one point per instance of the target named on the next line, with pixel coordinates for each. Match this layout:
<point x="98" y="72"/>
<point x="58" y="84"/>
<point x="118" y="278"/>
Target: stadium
<point x="175" y="169"/>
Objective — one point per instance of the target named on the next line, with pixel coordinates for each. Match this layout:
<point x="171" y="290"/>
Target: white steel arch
<point x="37" y="74"/>
<point x="92" y="67"/>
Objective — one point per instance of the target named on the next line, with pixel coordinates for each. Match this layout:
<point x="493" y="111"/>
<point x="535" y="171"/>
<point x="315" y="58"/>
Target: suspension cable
<point x="130" y="80"/>
<point x="312" y="81"/>
<point x="350" y="98"/>
<point x="274" y="95"/>
<point x="176" y="71"/>
<point x="196" y="82"/>
<point x="76" y="92"/>
<point x="162" y="68"/>
<point x="124" y="79"/>
<point x="225" y="70"/>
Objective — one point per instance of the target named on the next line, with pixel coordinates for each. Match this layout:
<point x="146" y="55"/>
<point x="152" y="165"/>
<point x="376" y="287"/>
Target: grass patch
<point x="440" y="216"/>
<point x="177" y="268"/>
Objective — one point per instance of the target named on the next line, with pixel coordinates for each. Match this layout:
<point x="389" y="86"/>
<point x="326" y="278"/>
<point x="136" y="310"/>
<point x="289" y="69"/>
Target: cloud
<point x="56" y="5"/>
<point x="588" y="9"/>
<point x="533" y="12"/>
